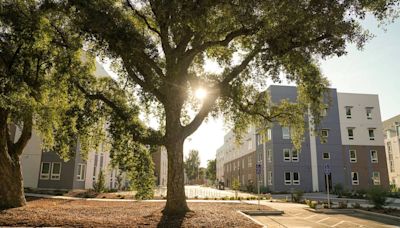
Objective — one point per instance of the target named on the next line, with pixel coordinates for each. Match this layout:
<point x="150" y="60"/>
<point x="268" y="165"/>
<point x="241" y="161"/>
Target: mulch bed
<point x="52" y="212"/>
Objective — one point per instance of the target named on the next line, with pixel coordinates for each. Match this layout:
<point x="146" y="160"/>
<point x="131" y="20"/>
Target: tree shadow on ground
<point x="174" y="220"/>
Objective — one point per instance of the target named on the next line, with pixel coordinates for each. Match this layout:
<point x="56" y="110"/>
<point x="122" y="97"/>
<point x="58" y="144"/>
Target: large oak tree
<point x="40" y="63"/>
<point x="159" y="48"/>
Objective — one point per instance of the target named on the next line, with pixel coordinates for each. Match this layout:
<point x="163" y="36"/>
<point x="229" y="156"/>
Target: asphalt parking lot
<point x="296" y="216"/>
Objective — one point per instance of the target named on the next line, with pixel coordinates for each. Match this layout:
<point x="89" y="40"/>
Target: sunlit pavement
<point x="296" y="216"/>
<point x="196" y="191"/>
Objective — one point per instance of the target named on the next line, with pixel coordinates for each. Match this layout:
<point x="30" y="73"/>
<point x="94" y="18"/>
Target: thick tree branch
<point x="144" y="18"/>
<point x="25" y="135"/>
<point x="224" y="42"/>
<point x="139" y="132"/>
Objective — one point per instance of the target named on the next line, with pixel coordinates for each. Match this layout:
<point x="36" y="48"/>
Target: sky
<point x="373" y="70"/>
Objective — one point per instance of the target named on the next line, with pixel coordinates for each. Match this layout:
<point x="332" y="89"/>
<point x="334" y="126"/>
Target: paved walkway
<point x="296" y="216"/>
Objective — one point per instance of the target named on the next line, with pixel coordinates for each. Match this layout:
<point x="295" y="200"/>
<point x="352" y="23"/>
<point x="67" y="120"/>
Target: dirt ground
<point x="52" y="212"/>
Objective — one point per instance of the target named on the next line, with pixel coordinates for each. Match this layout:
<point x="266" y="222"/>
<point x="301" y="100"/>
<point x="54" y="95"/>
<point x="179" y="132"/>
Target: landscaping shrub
<point x="313" y="204"/>
<point x="99" y="184"/>
<point x="297" y="195"/>
<point x="377" y="196"/>
<point x="360" y="194"/>
<point x="232" y="198"/>
<point x="343" y="205"/>
<point x="236" y="186"/>
<point x="356" y="205"/>
<point x="338" y="190"/>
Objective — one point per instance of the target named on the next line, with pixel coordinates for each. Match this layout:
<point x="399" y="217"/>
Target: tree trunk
<point x="11" y="186"/>
<point x="176" y="199"/>
<point x="11" y="183"/>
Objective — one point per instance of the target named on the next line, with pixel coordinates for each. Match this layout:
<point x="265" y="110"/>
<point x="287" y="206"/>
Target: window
<point x="295" y="155"/>
<point x="286" y="155"/>
<point x="326" y="156"/>
<point x="269" y="134"/>
<point x="353" y="156"/>
<point x="248" y="177"/>
<point x="249" y="163"/>
<point x="368" y="111"/>
<point x="388" y="134"/>
<point x="285" y="133"/>
<point x="269" y="155"/>
<point x="391" y="165"/>
<point x="348" y="112"/>
<point x="288" y="180"/>
<point x="350" y="133"/>
<point x="296" y="178"/>
<point x="269" y="178"/>
<point x="376" y="178"/>
<point x="374" y="156"/>
<point x="371" y="133"/>
<point x="101" y="160"/>
<point x="55" y="171"/>
<point x="45" y="171"/>
<point x="324" y="133"/>
<point x="81" y="172"/>
<point x="243" y="163"/>
<point x="398" y="130"/>
<point x="324" y="136"/>
<point x="234" y="166"/>
<point x="354" y="178"/>
<point x="324" y="112"/>
<point x="96" y="158"/>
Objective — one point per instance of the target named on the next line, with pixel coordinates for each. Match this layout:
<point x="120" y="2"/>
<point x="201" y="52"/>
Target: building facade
<point x="236" y="160"/>
<point x="391" y="129"/>
<point x="348" y="144"/>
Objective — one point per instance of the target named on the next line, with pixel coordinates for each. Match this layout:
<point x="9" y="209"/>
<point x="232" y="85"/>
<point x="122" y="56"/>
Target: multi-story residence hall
<point x="391" y="129"/>
<point x="236" y="160"/>
<point x="350" y="143"/>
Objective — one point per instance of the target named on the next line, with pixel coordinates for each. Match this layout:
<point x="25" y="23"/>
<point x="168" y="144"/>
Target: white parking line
<point x="338" y="223"/>
<point x="323" y="219"/>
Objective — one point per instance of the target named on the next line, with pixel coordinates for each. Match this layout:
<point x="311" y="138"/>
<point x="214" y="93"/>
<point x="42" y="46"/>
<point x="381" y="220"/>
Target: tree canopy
<point x="159" y="49"/>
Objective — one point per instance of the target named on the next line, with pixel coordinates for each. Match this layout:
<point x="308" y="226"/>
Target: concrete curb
<point x="377" y="214"/>
<point x="262" y="212"/>
<point x="331" y="211"/>
<point x="252" y="219"/>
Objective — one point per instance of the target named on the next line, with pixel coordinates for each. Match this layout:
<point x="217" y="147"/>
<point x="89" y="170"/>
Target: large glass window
<point x="45" y="171"/>
<point x="55" y="170"/>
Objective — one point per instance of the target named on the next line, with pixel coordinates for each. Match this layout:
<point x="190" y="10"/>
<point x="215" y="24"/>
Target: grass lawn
<point x="54" y="212"/>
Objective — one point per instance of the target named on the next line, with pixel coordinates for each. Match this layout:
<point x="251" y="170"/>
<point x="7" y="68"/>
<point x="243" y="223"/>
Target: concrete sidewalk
<point x="296" y="215"/>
